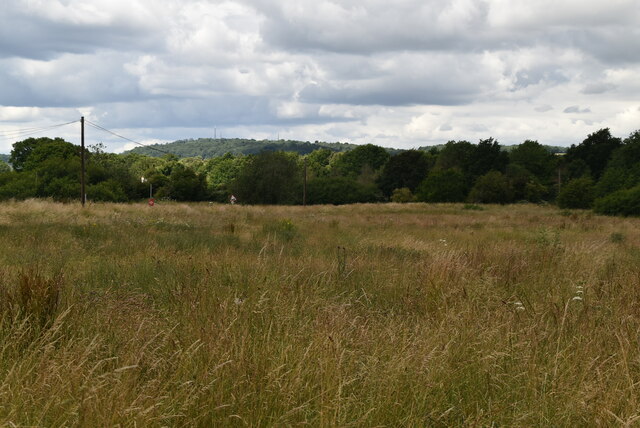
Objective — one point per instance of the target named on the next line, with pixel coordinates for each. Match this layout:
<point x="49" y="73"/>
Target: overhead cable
<point x="127" y="139"/>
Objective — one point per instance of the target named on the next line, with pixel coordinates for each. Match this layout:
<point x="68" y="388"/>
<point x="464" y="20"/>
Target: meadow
<point x="387" y="315"/>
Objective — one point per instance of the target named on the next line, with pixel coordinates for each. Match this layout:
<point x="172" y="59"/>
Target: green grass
<point x="364" y="315"/>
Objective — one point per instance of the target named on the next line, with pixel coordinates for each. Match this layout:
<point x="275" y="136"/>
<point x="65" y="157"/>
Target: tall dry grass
<point x="364" y="315"/>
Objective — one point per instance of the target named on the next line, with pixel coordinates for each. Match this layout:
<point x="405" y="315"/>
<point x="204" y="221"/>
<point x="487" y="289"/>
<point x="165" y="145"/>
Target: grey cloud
<point x="411" y="79"/>
<point x="227" y="111"/>
<point x="544" y="108"/>
<point x="446" y="128"/>
<point x="612" y="33"/>
<point x="24" y="34"/>
<point x="68" y="82"/>
<point x="536" y="75"/>
<point x="613" y="44"/>
<point x="576" y="109"/>
<point x="435" y="25"/>
<point x="598" y="88"/>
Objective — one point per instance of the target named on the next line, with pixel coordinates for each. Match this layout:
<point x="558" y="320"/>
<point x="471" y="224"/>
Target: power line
<point x="127" y="139"/>
<point x="21" y="133"/>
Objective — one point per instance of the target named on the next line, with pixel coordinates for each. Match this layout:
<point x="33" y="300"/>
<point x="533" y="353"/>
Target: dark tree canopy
<point x="487" y="156"/>
<point x="455" y="155"/>
<point x="269" y="178"/>
<point x="595" y="151"/>
<point x="442" y="186"/>
<point x="406" y="169"/>
<point x="535" y="158"/>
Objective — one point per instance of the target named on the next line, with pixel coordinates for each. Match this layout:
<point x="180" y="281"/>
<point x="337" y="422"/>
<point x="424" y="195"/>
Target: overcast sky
<point x="401" y="73"/>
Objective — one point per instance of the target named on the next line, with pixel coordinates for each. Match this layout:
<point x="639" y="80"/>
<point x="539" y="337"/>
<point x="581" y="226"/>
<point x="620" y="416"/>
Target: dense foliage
<point x="213" y="147"/>
<point x="603" y="170"/>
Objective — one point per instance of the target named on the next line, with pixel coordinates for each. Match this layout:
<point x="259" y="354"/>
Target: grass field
<point x="366" y="315"/>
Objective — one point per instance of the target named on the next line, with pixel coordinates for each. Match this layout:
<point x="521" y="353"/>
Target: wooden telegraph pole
<point x="304" y="186"/>
<point x="82" y="165"/>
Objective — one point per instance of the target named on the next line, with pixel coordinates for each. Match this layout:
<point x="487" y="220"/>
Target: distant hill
<point x="4" y="158"/>
<point x="209" y="147"/>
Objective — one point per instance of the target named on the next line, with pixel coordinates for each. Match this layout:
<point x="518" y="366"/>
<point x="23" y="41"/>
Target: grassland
<point x="366" y="315"/>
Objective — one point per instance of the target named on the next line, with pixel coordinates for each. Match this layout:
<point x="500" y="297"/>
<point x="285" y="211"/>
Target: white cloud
<point x="408" y="74"/>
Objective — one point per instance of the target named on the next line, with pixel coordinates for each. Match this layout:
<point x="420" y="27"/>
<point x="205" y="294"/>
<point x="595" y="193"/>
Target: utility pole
<point x="304" y="186"/>
<point x="82" y="165"/>
<point x="559" y="180"/>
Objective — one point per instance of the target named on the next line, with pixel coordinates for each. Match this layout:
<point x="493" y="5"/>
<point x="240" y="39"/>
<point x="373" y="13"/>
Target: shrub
<point x="402" y="195"/>
<point x="340" y="190"/>
<point x="623" y="202"/>
<point x="578" y="193"/>
<point x="106" y="191"/>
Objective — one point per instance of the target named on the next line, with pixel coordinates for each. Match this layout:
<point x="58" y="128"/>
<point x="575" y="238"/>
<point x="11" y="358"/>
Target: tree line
<point x="602" y="172"/>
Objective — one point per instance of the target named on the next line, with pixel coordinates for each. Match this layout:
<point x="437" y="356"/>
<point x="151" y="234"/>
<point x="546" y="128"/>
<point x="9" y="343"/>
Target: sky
<point x="403" y="74"/>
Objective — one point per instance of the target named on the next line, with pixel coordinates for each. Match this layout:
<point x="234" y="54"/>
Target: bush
<point x="402" y="195"/>
<point x="578" y="193"/>
<point x="106" y="191"/>
<point x="340" y="190"/>
<point x="623" y="202"/>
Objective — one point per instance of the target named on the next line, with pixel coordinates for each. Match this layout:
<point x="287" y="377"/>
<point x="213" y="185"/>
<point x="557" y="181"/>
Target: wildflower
<point x="518" y="306"/>
<point x="577" y="298"/>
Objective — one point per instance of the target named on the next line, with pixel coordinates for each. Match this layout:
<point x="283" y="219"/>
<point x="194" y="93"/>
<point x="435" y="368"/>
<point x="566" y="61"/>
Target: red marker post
<point x="151" y="202"/>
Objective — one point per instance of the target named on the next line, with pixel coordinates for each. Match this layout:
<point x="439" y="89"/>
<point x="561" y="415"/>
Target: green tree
<point x="184" y="185"/>
<point x="535" y="158"/>
<point x="4" y="167"/>
<point x="318" y="163"/>
<point x="487" y="156"/>
<point x="442" y="186"/>
<point x="623" y="170"/>
<point x="221" y="172"/>
<point x="353" y="162"/>
<point x="455" y="155"/>
<point x="491" y="188"/>
<point x="595" y="151"/>
<point x="22" y="150"/>
<point x="269" y="178"/>
<point x="406" y="169"/>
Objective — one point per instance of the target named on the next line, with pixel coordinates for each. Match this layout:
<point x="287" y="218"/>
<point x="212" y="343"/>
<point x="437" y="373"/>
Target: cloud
<point x="576" y="109"/>
<point x="44" y="29"/>
<point x="543" y="108"/>
<point x="598" y="88"/>
<point x="349" y="70"/>
<point x="409" y="79"/>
